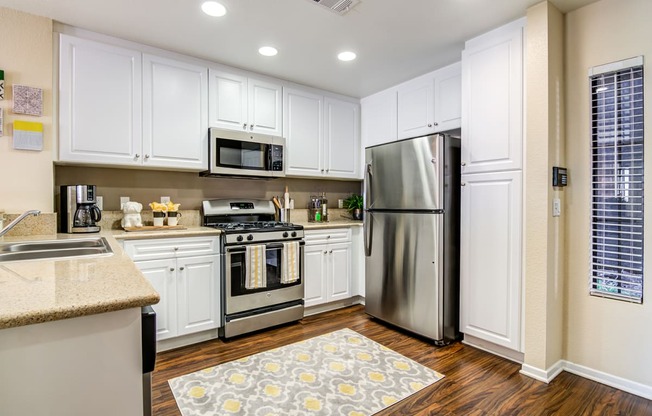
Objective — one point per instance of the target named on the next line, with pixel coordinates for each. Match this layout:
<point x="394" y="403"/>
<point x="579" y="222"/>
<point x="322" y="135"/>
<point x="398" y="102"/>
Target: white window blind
<point x="617" y="182"/>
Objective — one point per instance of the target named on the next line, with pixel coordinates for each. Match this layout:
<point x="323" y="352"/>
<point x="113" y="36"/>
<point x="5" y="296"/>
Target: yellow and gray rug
<point x="340" y="373"/>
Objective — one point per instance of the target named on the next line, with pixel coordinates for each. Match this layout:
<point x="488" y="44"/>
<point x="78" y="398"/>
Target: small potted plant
<point x="354" y="204"/>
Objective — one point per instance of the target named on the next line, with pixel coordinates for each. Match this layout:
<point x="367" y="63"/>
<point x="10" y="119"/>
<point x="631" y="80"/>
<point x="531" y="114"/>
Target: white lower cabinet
<point x="490" y="262"/>
<point x="328" y="265"/>
<point x="189" y="284"/>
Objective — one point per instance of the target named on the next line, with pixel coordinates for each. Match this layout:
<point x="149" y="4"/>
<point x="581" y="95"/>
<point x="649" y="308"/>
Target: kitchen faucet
<point x="15" y="222"/>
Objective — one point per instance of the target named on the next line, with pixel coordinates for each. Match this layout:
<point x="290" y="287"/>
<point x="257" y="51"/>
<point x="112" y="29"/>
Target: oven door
<point x="241" y="299"/>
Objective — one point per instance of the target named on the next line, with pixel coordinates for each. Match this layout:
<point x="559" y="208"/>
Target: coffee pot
<point x="78" y="210"/>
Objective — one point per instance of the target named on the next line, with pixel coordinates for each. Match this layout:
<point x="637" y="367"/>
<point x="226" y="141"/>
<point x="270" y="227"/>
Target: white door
<point x="314" y="280"/>
<point x="379" y="118"/>
<point x="415" y="107"/>
<point x="227" y="100"/>
<point x="99" y="103"/>
<point x="339" y="263"/>
<point x="175" y="114"/>
<point x="492" y="103"/>
<point x="198" y="294"/>
<point x="448" y="97"/>
<point x="265" y="107"/>
<point x="342" y="139"/>
<point x="303" y="128"/>
<point x="491" y="252"/>
<point x="162" y="275"/>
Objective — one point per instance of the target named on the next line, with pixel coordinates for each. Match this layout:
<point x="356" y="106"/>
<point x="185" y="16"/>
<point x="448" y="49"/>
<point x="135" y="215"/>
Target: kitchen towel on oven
<point x="290" y="269"/>
<point x="256" y="276"/>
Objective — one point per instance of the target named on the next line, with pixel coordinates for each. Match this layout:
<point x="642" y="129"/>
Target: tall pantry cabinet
<point x="491" y="197"/>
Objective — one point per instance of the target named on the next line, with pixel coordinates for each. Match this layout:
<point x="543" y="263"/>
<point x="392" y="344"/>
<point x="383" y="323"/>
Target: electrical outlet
<point x="123" y="199"/>
<point x="99" y="201"/>
<point x="165" y="199"/>
<point x="556" y="207"/>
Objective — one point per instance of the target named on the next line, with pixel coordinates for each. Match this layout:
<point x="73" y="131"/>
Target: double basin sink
<point x="54" y="249"/>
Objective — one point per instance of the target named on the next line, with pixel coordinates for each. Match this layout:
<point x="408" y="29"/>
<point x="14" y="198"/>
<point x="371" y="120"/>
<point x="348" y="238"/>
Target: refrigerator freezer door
<point x="404" y="273"/>
<point x="405" y="175"/>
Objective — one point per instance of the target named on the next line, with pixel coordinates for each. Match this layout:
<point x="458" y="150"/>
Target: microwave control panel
<point x="276" y="157"/>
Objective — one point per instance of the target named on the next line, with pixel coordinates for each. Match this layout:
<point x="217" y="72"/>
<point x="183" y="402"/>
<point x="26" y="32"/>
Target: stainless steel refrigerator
<point x="411" y="233"/>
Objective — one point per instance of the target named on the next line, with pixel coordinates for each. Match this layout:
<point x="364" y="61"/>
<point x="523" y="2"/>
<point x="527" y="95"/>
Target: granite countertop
<point x="142" y="235"/>
<point x="49" y="290"/>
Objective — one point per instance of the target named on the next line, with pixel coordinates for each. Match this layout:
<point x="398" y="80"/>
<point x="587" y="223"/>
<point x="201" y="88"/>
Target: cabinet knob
<point x="251" y="127"/>
<point x="244" y="126"/>
<point x="137" y="156"/>
<point x="330" y="252"/>
<point x="176" y="248"/>
<point x="429" y="125"/>
<point x="463" y="183"/>
<point x="435" y="124"/>
<point x="328" y="236"/>
<point x="182" y="268"/>
<point x="146" y="156"/>
<point x="325" y="252"/>
<point x="171" y="269"/>
<point x="322" y="170"/>
<point x="463" y="163"/>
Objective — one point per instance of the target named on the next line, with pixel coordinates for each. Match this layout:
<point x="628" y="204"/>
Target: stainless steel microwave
<point x="245" y="154"/>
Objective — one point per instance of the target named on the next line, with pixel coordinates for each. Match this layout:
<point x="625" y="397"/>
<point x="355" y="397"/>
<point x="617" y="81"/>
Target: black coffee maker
<point x="78" y="210"/>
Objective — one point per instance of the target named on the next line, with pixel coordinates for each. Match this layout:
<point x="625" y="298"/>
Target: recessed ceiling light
<point x="346" y="56"/>
<point x="267" y="51"/>
<point x="213" y="8"/>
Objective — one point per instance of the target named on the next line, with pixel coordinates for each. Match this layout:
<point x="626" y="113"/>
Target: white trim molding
<point x="620" y="383"/>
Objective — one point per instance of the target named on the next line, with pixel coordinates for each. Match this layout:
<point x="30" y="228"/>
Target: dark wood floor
<point x="476" y="383"/>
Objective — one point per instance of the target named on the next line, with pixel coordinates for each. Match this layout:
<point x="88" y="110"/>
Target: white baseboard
<point x="601" y="377"/>
<point x="184" y="340"/>
<point x="331" y="306"/>
<point x="494" y="349"/>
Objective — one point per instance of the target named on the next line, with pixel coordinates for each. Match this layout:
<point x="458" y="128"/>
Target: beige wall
<point x="543" y="265"/>
<point x="26" y="57"/>
<point x="189" y="189"/>
<point x="606" y="335"/>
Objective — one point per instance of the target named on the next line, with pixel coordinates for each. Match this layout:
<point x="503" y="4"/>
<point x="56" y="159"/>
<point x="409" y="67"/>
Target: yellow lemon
<point x="347" y="389"/>
<point x="237" y="378"/>
<point x="415" y="386"/>
<point x="307" y="377"/>
<point x="272" y="367"/>
<point x="379" y="377"/>
<point x="337" y="366"/>
<point x="363" y="356"/>
<point x="389" y="400"/>
<point x="272" y="390"/>
<point x="312" y="404"/>
<point x="401" y="365"/>
<point x="232" y="406"/>
<point x="354" y="413"/>
<point x="354" y="340"/>
<point x="330" y="348"/>
<point x="303" y="357"/>
<point x="197" y="392"/>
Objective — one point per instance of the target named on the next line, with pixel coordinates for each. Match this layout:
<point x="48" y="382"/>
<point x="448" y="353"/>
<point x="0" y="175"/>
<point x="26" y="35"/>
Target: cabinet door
<point x="99" y="103"/>
<point x="342" y="139"/>
<point x="198" y="293"/>
<point x="303" y="127"/>
<point x="175" y="114"/>
<point x="339" y="274"/>
<point x="415" y="107"/>
<point x="491" y="257"/>
<point x="448" y="97"/>
<point x="379" y="118"/>
<point x="265" y="107"/>
<point x="314" y="283"/>
<point x="492" y="103"/>
<point x="162" y="275"/>
<point x="227" y="100"/>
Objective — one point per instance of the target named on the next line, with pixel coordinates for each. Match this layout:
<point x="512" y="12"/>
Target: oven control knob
<point x="285" y="234"/>
<point x="294" y="234"/>
<point x="250" y="237"/>
<point x="239" y="238"/>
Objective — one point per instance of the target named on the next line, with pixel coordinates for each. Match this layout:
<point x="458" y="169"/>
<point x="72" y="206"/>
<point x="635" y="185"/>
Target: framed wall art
<point x="28" y="100"/>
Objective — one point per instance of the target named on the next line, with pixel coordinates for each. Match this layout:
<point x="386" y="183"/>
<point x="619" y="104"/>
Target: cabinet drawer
<point x="171" y="247"/>
<point x="333" y="235"/>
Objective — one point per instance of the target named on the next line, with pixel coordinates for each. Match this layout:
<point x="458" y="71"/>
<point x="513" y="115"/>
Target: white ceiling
<point x="395" y="40"/>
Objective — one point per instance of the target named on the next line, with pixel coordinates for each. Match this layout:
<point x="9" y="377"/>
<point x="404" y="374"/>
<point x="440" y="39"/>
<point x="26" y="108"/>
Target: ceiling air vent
<point x="338" y="6"/>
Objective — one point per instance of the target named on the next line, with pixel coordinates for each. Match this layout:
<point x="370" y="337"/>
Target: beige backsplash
<point x="189" y="189"/>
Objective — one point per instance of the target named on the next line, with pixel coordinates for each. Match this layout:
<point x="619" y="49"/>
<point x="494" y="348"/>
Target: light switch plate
<point x="165" y="199"/>
<point x="123" y="199"/>
<point x="99" y="201"/>
<point x="556" y="207"/>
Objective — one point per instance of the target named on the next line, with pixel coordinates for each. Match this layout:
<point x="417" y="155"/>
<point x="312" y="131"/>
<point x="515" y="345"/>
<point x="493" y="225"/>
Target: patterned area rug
<point x="340" y="373"/>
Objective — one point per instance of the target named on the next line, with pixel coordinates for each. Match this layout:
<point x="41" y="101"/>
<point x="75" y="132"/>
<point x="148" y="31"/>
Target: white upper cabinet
<point x="322" y="135"/>
<point x="179" y="139"/>
<point x="415" y="107"/>
<point x="448" y="97"/>
<point x="99" y="103"/>
<point x="119" y="107"/>
<point x="379" y="118"/>
<point x="237" y="102"/>
<point x="492" y="105"/>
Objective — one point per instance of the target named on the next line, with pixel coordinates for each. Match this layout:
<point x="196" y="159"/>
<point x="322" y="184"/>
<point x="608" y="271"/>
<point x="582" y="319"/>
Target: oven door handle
<point x="242" y="249"/>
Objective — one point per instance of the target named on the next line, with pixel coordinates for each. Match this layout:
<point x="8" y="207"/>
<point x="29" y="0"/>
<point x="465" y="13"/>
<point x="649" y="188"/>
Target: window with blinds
<point x="617" y="180"/>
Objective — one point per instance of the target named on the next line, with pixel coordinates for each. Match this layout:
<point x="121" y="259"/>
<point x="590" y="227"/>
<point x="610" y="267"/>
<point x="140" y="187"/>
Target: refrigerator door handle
<point x="367" y="186"/>
<point x="367" y="226"/>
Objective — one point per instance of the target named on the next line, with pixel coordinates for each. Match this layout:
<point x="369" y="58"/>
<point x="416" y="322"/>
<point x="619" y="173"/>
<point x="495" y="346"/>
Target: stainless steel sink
<point x="53" y="249"/>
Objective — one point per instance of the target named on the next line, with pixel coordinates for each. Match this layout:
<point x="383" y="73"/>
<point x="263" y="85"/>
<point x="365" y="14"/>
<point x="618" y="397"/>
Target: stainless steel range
<point x="262" y="265"/>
